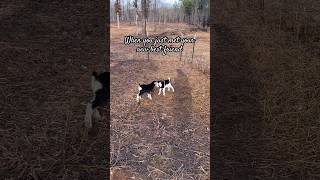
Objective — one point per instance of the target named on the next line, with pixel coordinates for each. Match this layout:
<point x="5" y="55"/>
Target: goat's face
<point x="157" y="84"/>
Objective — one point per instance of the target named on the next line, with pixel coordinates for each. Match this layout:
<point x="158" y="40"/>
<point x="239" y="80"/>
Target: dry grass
<point x="167" y="137"/>
<point x="44" y="83"/>
<point x="267" y="122"/>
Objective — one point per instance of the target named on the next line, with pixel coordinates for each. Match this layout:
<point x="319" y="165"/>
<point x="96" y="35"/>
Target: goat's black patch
<point x="101" y="98"/>
<point x="163" y="83"/>
<point x="101" y="95"/>
<point x="146" y="88"/>
<point x="103" y="78"/>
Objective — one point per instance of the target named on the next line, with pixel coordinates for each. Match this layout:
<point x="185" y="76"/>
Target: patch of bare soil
<point x="166" y="137"/>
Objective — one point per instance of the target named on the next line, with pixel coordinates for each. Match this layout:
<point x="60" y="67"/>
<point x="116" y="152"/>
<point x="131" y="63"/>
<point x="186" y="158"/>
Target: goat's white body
<point x="138" y="98"/>
<point x="95" y="85"/>
<point x="169" y="86"/>
<point x="90" y="111"/>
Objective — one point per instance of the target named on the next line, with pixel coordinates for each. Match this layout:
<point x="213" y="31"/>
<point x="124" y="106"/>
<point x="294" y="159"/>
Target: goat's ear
<point x="94" y="73"/>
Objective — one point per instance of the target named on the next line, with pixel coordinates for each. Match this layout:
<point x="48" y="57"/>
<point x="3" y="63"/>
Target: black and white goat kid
<point x="145" y="88"/>
<point x="162" y="85"/>
<point x="99" y="84"/>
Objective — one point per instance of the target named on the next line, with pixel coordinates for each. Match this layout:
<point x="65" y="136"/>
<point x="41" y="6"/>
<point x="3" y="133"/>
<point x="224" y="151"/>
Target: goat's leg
<point x="93" y="109"/>
<point x="139" y="96"/>
<point x="88" y="116"/>
<point x="171" y="87"/>
<point x="96" y="114"/>
<point x="93" y="79"/>
<point x="167" y="87"/>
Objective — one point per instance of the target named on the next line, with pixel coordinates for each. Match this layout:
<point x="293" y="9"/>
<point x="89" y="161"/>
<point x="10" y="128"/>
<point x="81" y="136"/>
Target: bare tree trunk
<point x="154" y="15"/>
<point x="145" y="26"/>
<point x="123" y="17"/>
<point x="128" y="12"/>
<point x="193" y="13"/>
<point x="118" y="20"/>
<point x="137" y="23"/>
<point x="195" y="36"/>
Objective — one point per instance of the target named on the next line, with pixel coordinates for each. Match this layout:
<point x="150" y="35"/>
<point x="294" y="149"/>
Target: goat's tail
<point x="169" y="79"/>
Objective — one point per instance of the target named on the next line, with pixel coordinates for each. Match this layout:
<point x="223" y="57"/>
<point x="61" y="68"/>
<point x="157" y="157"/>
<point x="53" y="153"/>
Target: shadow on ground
<point x="237" y="112"/>
<point x="182" y="113"/>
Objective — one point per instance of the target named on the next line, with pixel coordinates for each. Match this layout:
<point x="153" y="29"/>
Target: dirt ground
<point x="166" y="137"/>
<point x="47" y="54"/>
<point x="266" y="89"/>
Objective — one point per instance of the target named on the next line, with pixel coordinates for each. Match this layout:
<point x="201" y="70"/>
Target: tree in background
<point x="187" y="6"/>
<point x="128" y="11"/>
<point x="145" y="5"/>
<point x="117" y="7"/>
<point x="135" y="5"/>
<point x="203" y="6"/>
<point x="142" y="12"/>
<point x="155" y="14"/>
<point x="177" y="10"/>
